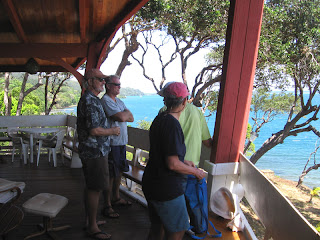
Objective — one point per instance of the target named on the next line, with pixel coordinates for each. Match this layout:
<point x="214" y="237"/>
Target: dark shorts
<point x="117" y="161"/>
<point x="172" y="214"/>
<point x="96" y="173"/>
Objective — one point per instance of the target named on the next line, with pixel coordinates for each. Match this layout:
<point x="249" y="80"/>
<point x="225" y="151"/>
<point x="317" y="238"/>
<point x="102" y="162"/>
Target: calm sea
<point x="287" y="160"/>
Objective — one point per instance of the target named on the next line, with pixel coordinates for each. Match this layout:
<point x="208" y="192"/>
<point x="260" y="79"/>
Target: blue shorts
<point x="117" y="161"/>
<point x="172" y="214"/>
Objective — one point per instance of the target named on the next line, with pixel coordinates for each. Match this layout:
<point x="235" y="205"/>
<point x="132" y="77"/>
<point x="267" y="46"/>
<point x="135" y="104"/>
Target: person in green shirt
<point x="195" y="130"/>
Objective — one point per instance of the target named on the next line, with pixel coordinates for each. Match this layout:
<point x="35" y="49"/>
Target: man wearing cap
<point x="118" y="115"/>
<point x="163" y="176"/>
<point x="93" y="135"/>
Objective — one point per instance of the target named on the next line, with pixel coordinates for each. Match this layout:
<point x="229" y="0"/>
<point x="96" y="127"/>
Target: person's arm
<point x="125" y="116"/>
<point x="208" y="143"/>
<point x="176" y="165"/>
<point x="99" y="131"/>
<point x="189" y="163"/>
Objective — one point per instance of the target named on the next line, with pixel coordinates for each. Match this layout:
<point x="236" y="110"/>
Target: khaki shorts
<point x="96" y="173"/>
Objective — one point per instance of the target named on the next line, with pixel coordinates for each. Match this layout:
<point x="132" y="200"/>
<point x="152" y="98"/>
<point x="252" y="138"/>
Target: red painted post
<point x="243" y="34"/>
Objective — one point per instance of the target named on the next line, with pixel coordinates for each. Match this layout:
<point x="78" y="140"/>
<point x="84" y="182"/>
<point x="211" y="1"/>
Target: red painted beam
<point x="67" y="66"/>
<point x="97" y="49"/>
<point x="237" y="80"/>
<point x="42" y="50"/>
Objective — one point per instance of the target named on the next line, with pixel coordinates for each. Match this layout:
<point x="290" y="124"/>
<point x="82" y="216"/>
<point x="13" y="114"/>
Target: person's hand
<point x="115" y="131"/>
<point x="189" y="163"/>
<point x="199" y="173"/>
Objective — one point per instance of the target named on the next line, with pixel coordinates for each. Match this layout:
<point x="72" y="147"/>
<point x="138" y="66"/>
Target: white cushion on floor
<point x="45" y="204"/>
<point x="6" y="184"/>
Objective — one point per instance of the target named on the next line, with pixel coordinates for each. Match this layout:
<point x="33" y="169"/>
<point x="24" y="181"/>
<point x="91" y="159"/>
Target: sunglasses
<point x="100" y="79"/>
<point x="115" y="84"/>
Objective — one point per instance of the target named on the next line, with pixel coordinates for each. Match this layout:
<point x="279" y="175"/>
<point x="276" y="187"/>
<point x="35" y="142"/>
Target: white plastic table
<point x="37" y="131"/>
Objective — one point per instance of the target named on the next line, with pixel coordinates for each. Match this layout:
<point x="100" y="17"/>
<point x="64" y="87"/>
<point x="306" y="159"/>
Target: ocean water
<point x="287" y="160"/>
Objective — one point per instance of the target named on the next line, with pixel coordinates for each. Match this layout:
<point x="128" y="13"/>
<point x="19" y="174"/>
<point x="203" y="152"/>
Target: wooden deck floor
<point x="133" y="223"/>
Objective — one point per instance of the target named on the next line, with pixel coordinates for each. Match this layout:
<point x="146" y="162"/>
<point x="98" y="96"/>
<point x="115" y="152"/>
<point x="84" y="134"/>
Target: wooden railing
<point x="280" y="218"/>
<point x="29" y="121"/>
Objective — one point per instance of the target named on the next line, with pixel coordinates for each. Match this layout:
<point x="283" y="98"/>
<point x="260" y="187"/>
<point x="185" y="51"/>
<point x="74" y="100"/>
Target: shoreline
<point x="274" y="178"/>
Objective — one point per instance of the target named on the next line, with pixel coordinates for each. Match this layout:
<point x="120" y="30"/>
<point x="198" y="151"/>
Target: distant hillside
<point x="73" y="83"/>
<point x="130" y="92"/>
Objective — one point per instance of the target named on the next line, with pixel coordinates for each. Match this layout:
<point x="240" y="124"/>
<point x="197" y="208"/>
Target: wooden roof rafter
<point x="59" y="32"/>
<point x="43" y="50"/>
<point x="15" y="20"/>
<point x="83" y="19"/>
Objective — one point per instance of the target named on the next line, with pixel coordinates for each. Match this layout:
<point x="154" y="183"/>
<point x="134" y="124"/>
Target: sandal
<point x="99" y="223"/>
<point x="121" y="202"/>
<point x="108" y="212"/>
<point x="97" y="234"/>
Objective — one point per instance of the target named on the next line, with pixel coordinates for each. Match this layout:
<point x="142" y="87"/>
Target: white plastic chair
<point x="18" y="142"/>
<point x="52" y="144"/>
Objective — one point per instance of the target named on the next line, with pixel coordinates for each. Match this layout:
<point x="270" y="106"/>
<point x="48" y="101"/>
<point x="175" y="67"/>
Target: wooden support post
<point x="243" y="33"/>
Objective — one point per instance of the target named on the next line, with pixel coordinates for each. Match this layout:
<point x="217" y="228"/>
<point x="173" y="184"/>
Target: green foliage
<point x="144" y="124"/>
<point x="212" y="98"/>
<point x="289" y="43"/>
<point x="188" y="18"/>
<point x="252" y="147"/>
<point x="129" y="156"/>
<point x="315" y="192"/>
<point x="318" y="227"/>
<point x="68" y="97"/>
<point x="266" y="105"/>
<point x="271" y="104"/>
<point x="249" y="130"/>
<point x="33" y="103"/>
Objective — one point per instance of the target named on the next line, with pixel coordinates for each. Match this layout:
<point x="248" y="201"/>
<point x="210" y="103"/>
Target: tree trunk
<point x="290" y="129"/>
<point x="46" y="111"/>
<point x="7" y="97"/>
<point x="131" y="45"/>
<point x="266" y="146"/>
<point x="22" y="93"/>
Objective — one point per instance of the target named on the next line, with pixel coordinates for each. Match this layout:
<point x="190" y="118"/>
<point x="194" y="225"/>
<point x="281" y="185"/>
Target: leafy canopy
<point x="188" y="18"/>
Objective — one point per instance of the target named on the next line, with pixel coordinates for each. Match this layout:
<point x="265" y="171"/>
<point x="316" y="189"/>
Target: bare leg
<point x="176" y="235"/>
<point x="107" y="194"/>
<point x="92" y="201"/>
<point x="116" y="193"/>
<point x="156" y="232"/>
<point x="116" y="187"/>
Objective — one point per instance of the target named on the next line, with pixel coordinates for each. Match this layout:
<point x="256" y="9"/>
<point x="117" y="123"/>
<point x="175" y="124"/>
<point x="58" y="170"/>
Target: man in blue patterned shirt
<point x="93" y="135"/>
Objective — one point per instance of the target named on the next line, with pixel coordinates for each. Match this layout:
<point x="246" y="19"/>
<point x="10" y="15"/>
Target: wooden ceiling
<point x="58" y="33"/>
